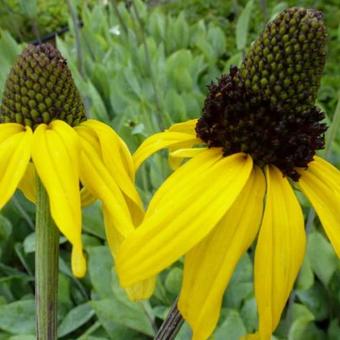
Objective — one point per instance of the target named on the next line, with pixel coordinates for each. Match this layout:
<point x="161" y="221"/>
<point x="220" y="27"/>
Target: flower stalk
<point x="46" y="267"/>
<point x="171" y="325"/>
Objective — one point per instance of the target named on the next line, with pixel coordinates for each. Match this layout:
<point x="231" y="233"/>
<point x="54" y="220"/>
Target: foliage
<point x="141" y="76"/>
<point x="34" y="18"/>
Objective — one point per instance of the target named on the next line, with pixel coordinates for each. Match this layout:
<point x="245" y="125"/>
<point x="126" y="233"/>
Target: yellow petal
<point x="9" y="129"/>
<point x="185" y="127"/>
<point x="119" y="145"/>
<point x="187" y="152"/>
<point x="209" y="265"/>
<point x="86" y="197"/>
<point x="177" y="155"/>
<point x="186" y="208"/>
<point x="118" y="161"/>
<point x="321" y="184"/>
<point x="96" y="178"/>
<point x="160" y="141"/>
<point x="279" y="252"/>
<point x="140" y="290"/>
<point x="27" y="184"/>
<point x="55" y="155"/>
<point x="15" y="153"/>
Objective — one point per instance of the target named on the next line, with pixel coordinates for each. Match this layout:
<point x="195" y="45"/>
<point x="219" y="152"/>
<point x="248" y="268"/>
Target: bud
<point x="285" y="64"/>
<point x="40" y="88"/>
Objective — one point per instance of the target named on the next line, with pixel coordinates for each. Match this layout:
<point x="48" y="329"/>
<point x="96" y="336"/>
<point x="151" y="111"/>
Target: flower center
<point x="235" y="119"/>
<point x="40" y="89"/>
<point x="266" y="108"/>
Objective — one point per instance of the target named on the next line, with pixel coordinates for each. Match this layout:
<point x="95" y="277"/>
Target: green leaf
<point x="29" y="8"/>
<point x="173" y="280"/>
<point x="113" y="312"/>
<point x="316" y="300"/>
<point x="23" y="337"/>
<point x="100" y="267"/>
<point x="18" y="317"/>
<point x="242" y="26"/>
<point x="302" y="330"/>
<point x="306" y="276"/>
<point x="93" y="220"/>
<point x="77" y="317"/>
<point x="232" y="327"/>
<point x="5" y="228"/>
<point x="249" y="314"/>
<point x="5" y="231"/>
<point x="322" y="257"/>
<point x="334" y="330"/>
<point x="29" y="242"/>
<point x="9" y="48"/>
<point x="217" y="40"/>
<point x="174" y="105"/>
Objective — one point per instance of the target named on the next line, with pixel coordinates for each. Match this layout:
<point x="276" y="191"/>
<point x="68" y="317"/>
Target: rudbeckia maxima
<point x="44" y="132"/>
<point x="253" y="145"/>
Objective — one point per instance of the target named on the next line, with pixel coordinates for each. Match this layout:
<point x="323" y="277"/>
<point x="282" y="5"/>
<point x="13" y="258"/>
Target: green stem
<point x="46" y="267"/>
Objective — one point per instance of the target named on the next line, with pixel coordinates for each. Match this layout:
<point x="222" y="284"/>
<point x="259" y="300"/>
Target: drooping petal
<point x="185" y="127"/>
<point x="321" y="184"/>
<point x="209" y="265"/>
<point x="140" y="290"/>
<point x="15" y="153"/>
<point x="178" y="154"/>
<point x="279" y="252"/>
<point x="160" y="141"/>
<point x="185" y="209"/>
<point x="27" y="184"/>
<point x="187" y="152"/>
<point x="86" y="197"/>
<point x="118" y="161"/>
<point x="96" y="178"/>
<point x="9" y="129"/>
<point x="55" y="155"/>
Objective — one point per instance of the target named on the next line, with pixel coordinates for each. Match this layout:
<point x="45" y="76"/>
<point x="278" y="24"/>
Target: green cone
<point x="286" y="62"/>
<point x="40" y="89"/>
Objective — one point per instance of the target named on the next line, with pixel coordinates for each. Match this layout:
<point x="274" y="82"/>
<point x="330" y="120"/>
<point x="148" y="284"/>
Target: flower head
<point x="259" y="128"/>
<point x="44" y="132"/>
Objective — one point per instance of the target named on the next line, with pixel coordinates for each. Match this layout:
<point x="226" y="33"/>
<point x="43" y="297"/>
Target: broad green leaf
<point x="29" y="8"/>
<point x="113" y="312"/>
<point x="18" y="317"/>
<point x="173" y="280"/>
<point x="232" y="327"/>
<point x="248" y="313"/>
<point x="93" y="220"/>
<point x="242" y="26"/>
<point x="302" y="330"/>
<point x="316" y="300"/>
<point x="306" y="276"/>
<point x="5" y="231"/>
<point x="29" y="242"/>
<point x="100" y="267"/>
<point x="217" y="40"/>
<point x="334" y="330"/>
<point x="322" y="257"/>
<point x="75" y="318"/>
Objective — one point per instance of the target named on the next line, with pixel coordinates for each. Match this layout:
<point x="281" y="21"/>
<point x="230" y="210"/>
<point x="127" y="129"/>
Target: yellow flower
<point x="246" y="151"/>
<point x="44" y="132"/>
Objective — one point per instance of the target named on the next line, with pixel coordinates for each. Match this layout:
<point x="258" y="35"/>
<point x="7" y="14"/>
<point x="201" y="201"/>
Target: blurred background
<point x="141" y="66"/>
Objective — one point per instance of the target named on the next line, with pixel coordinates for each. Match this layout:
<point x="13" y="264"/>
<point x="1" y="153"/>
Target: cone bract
<point x="40" y="88"/>
<point x="285" y="63"/>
